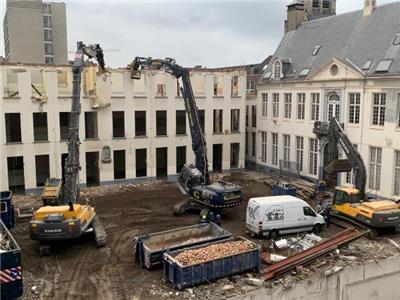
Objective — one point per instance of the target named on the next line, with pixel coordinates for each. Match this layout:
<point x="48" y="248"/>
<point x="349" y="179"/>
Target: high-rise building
<point x="35" y="32"/>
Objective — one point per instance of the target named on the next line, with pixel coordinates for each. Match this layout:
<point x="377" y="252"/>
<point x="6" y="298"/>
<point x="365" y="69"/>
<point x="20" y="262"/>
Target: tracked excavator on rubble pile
<point x="62" y="217"/>
<point x="349" y="202"/>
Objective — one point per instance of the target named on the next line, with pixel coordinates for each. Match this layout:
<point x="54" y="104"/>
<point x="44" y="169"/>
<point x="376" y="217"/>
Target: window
<point x="299" y="152"/>
<point x="354" y="109"/>
<point x="119" y="164"/>
<point x="235" y="86"/>
<point x="253" y="144"/>
<point x="301" y="106"/>
<point x="180" y="122"/>
<point x="10" y="83"/>
<point x="334" y="70"/>
<point x="91" y="125"/>
<point x="42" y="167"/>
<point x="375" y="163"/>
<point x="178" y="89"/>
<point x="305" y="72"/>
<point x="397" y="173"/>
<point x="316" y="50"/>
<point x="250" y="86"/>
<point x="288" y="106"/>
<point x="48" y="60"/>
<point x="218" y="86"/>
<point x="48" y="49"/>
<point x="48" y="36"/>
<point x="254" y="116"/>
<point x="217" y="120"/>
<point x="384" y="65"/>
<point x="247" y="115"/>
<point x="263" y="146"/>
<point x="286" y="151"/>
<point x="47" y="21"/>
<point x="161" y="90"/>
<point x="180" y="158"/>
<point x="333" y="106"/>
<point x="308" y="211"/>
<point x="398" y="110"/>
<point x="315" y="107"/>
<point x="140" y="123"/>
<point x="277" y="69"/>
<point x="351" y="174"/>
<point x="201" y="118"/>
<point x="275" y="105"/>
<point x="246" y="146"/>
<point x="64" y="125"/>
<point x="235" y="120"/>
<point x="396" y="40"/>
<point x="264" y="104"/>
<point x="141" y="162"/>
<point x="367" y="65"/>
<point x="378" y="114"/>
<point x="313" y="156"/>
<point x="46" y="8"/>
<point x="315" y="3"/>
<point x="275" y="149"/>
<point x="118" y="121"/>
<point x="13" y="127"/>
<point x="161" y="122"/>
<point x="40" y="127"/>
<point x="235" y="148"/>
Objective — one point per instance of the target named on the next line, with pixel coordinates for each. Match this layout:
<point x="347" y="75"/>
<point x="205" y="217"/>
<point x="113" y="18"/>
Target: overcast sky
<point x="209" y="33"/>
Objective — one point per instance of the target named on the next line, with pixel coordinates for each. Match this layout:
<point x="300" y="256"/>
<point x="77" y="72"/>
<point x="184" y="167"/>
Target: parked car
<point x="271" y="216"/>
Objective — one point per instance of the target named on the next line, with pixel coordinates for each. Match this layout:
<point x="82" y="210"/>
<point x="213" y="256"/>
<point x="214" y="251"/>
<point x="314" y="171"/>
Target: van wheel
<point x="317" y="228"/>
<point x="273" y="234"/>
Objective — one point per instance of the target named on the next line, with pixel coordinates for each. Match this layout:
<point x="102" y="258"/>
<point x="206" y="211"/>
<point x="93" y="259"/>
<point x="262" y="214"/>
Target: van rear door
<point x="253" y="216"/>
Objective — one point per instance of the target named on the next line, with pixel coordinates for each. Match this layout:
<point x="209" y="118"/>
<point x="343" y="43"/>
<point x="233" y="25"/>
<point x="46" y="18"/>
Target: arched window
<point x="277" y="69"/>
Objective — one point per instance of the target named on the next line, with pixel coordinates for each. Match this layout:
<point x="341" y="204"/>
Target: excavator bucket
<point x="338" y="166"/>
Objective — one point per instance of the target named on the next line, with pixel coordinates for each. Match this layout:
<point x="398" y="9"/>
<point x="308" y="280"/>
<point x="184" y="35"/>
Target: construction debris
<point x="5" y="244"/>
<point x="212" y="252"/>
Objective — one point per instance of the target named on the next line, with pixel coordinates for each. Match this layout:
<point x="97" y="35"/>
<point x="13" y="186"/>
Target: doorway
<point x="92" y="169"/>
<point x="16" y="176"/>
<point x="217" y="157"/>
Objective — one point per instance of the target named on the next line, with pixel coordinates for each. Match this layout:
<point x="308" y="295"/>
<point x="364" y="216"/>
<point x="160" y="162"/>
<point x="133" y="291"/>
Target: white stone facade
<point x="127" y="96"/>
<point x="375" y="130"/>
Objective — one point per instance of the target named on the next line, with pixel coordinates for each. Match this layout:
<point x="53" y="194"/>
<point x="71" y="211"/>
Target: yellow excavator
<point x="351" y="202"/>
<point x="62" y="217"/>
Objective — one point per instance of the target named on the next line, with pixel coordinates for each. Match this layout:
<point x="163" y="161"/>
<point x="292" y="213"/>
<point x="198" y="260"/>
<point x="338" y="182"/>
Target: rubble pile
<point x="212" y="252"/>
<point x="5" y="244"/>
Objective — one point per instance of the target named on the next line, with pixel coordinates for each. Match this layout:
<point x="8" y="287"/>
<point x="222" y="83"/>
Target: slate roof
<point x="349" y="37"/>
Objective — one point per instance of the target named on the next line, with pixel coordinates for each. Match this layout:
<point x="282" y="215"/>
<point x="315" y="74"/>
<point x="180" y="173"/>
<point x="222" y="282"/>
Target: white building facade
<point x="129" y="130"/>
<point x="325" y="77"/>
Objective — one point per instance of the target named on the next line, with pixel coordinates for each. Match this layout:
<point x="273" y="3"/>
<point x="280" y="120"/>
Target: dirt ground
<point x="80" y="270"/>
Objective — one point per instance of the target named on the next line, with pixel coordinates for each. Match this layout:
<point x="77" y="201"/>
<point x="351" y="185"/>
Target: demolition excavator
<point x="62" y="217"/>
<point x="211" y="198"/>
<point x="352" y="203"/>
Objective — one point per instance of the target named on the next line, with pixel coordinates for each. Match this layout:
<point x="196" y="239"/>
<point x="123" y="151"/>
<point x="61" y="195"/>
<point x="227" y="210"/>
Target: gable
<point x="336" y="69"/>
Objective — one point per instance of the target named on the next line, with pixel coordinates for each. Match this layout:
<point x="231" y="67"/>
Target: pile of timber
<point x="213" y="252"/>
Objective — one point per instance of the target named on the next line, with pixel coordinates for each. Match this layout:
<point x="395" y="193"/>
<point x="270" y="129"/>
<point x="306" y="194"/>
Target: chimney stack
<point x="369" y="6"/>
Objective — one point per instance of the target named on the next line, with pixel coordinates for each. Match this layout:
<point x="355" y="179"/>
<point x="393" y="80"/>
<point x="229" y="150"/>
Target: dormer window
<point x="367" y="65"/>
<point x="384" y="65"/>
<point x="277" y="69"/>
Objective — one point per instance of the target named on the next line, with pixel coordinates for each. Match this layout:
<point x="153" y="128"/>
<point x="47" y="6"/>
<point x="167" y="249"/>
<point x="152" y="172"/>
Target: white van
<point x="271" y="216"/>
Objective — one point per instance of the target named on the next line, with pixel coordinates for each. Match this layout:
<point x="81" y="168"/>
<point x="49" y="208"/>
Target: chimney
<point x="369" y="6"/>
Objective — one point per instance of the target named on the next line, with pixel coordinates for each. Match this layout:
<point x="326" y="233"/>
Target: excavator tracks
<point x="99" y="232"/>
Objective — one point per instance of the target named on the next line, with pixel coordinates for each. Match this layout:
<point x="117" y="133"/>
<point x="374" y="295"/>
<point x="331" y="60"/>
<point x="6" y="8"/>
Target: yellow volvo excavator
<point x="61" y="217"/>
<point x="348" y="201"/>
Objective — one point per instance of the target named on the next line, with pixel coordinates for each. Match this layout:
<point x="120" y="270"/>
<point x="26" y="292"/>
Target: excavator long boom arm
<point x="71" y="185"/>
<point x="198" y="141"/>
